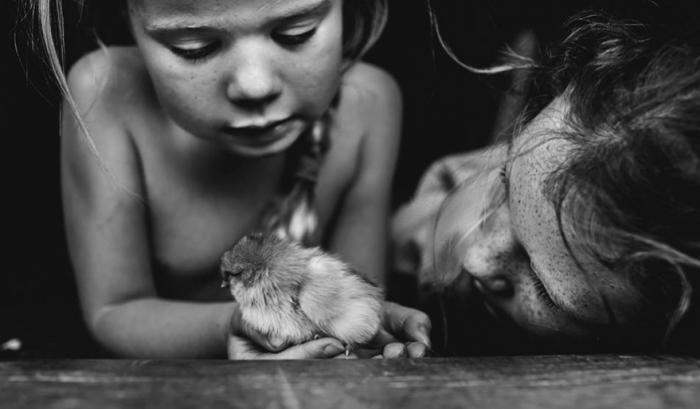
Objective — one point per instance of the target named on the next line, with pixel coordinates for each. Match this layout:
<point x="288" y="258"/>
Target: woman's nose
<point x="492" y="259"/>
<point x="254" y="81"/>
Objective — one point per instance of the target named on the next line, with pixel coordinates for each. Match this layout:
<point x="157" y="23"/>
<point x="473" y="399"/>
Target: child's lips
<point x="260" y="135"/>
<point x="255" y="129"/>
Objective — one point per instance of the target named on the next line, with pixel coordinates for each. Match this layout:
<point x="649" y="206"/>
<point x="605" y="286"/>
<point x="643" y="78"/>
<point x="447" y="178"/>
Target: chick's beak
<point x="226" y="277"/>
<point x="229" y="275"/>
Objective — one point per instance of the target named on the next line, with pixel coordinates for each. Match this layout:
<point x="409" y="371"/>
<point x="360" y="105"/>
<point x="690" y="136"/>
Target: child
<point x="582" y="231"/>
<point x="222" y="119"/>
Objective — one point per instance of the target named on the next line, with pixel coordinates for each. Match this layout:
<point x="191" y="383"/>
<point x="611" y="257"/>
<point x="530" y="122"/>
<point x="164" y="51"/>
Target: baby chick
<point x="293" y="294"/>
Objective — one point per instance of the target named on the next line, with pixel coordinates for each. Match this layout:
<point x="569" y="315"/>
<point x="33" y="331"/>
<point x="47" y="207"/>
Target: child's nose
<point x="254" y="81"/>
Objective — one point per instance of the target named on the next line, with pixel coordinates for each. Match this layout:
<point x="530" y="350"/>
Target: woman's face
<point x="247" y="74"/>
<point x="503" y="233"/>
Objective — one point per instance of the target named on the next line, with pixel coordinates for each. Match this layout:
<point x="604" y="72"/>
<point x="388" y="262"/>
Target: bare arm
<point x="361" y="232"/>
<point x="107" y="237"/>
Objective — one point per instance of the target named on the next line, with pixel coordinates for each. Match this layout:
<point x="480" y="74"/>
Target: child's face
<point x="516" y="258"/>
<point x="247" y="74"/>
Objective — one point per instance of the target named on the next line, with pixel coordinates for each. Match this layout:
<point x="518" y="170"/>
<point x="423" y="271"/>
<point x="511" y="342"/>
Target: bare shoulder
<point x="371" y="87"/>
<point x="107" y="89"/>
<point x="371" y="101"/>
<point x="370" y="114"/>
<point x="106" y="78"/>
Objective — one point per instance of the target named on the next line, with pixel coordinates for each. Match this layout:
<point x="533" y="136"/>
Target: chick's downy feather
<point x="294" y="294"/>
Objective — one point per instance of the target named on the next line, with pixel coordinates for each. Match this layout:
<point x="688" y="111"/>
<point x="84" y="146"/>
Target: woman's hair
<point x="629" y="193"/>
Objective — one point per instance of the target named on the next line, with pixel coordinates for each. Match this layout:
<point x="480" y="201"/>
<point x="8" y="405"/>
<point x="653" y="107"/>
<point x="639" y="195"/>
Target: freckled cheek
<point x="316" y="84"/>
<point x="187" y="94"/>
<point x="315" y="76"/>
<point x="531" y="314"/>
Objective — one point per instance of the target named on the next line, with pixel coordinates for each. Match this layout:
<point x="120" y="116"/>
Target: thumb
<point x="241" y="348"/>
<point x="318" y="348"/>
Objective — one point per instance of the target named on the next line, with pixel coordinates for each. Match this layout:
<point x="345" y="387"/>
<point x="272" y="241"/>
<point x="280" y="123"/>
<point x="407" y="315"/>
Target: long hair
<point x="628" y="193"/>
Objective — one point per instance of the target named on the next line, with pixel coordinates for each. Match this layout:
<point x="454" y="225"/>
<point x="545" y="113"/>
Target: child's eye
<point x="294" y="36"/>
<point x="194" y="53"/>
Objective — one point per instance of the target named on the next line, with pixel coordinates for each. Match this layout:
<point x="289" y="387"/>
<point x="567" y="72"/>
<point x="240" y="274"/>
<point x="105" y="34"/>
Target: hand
<point x="405" y="332"/>
<point x="245" y="343"/>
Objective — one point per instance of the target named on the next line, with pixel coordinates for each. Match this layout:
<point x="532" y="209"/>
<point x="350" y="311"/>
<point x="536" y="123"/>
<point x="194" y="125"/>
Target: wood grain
<point x="495" y="382"/>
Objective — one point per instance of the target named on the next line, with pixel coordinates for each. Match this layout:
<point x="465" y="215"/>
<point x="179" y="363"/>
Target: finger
<point x="381" y="338"/>
<point x="417" y="350"/>
<point x="410" y="323"/>
<point x="417" y="328"/>
<point x="319" y="348"/>
<point x="350" y="355"/>
<point x="394" y="350"/>
<point x="364" y="353"/>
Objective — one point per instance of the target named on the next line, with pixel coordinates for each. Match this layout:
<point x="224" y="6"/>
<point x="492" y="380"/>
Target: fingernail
<point x="332" y="349"/>
<point x="424" y="335"/>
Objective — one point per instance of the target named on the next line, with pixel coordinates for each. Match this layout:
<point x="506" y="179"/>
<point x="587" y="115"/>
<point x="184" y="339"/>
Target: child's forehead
<point x="244" y="9"/>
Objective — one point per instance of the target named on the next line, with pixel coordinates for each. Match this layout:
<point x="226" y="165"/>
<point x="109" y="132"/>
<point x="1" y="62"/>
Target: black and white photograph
<point x="286" y="204"/>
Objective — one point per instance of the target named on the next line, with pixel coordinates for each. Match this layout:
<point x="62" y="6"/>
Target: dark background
<point x="445" y="110"/>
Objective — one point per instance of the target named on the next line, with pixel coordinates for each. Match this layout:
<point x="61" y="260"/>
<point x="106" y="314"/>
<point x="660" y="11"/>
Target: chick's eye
<point x="294" y="37"/>
<point x="194" y="52"/>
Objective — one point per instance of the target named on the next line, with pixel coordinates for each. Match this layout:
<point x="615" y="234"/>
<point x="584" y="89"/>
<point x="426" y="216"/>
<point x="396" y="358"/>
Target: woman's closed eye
<point x="503" y="175"/>
<point x="541" y="291"/>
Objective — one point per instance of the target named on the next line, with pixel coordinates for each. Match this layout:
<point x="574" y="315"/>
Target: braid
<point x="293" y="214"/>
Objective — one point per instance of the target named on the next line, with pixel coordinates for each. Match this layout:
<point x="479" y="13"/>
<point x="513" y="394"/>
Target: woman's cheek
<point x="534" y="315"/>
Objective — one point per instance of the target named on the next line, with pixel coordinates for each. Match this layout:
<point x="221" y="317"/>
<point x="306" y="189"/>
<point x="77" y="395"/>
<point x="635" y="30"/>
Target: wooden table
<point x="620" y="382"/>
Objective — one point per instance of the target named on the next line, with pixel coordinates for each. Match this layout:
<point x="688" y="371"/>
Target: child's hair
<point x="628" y="193"/>
<point x="294" y="213"/>
<point x="363" y="23"/>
